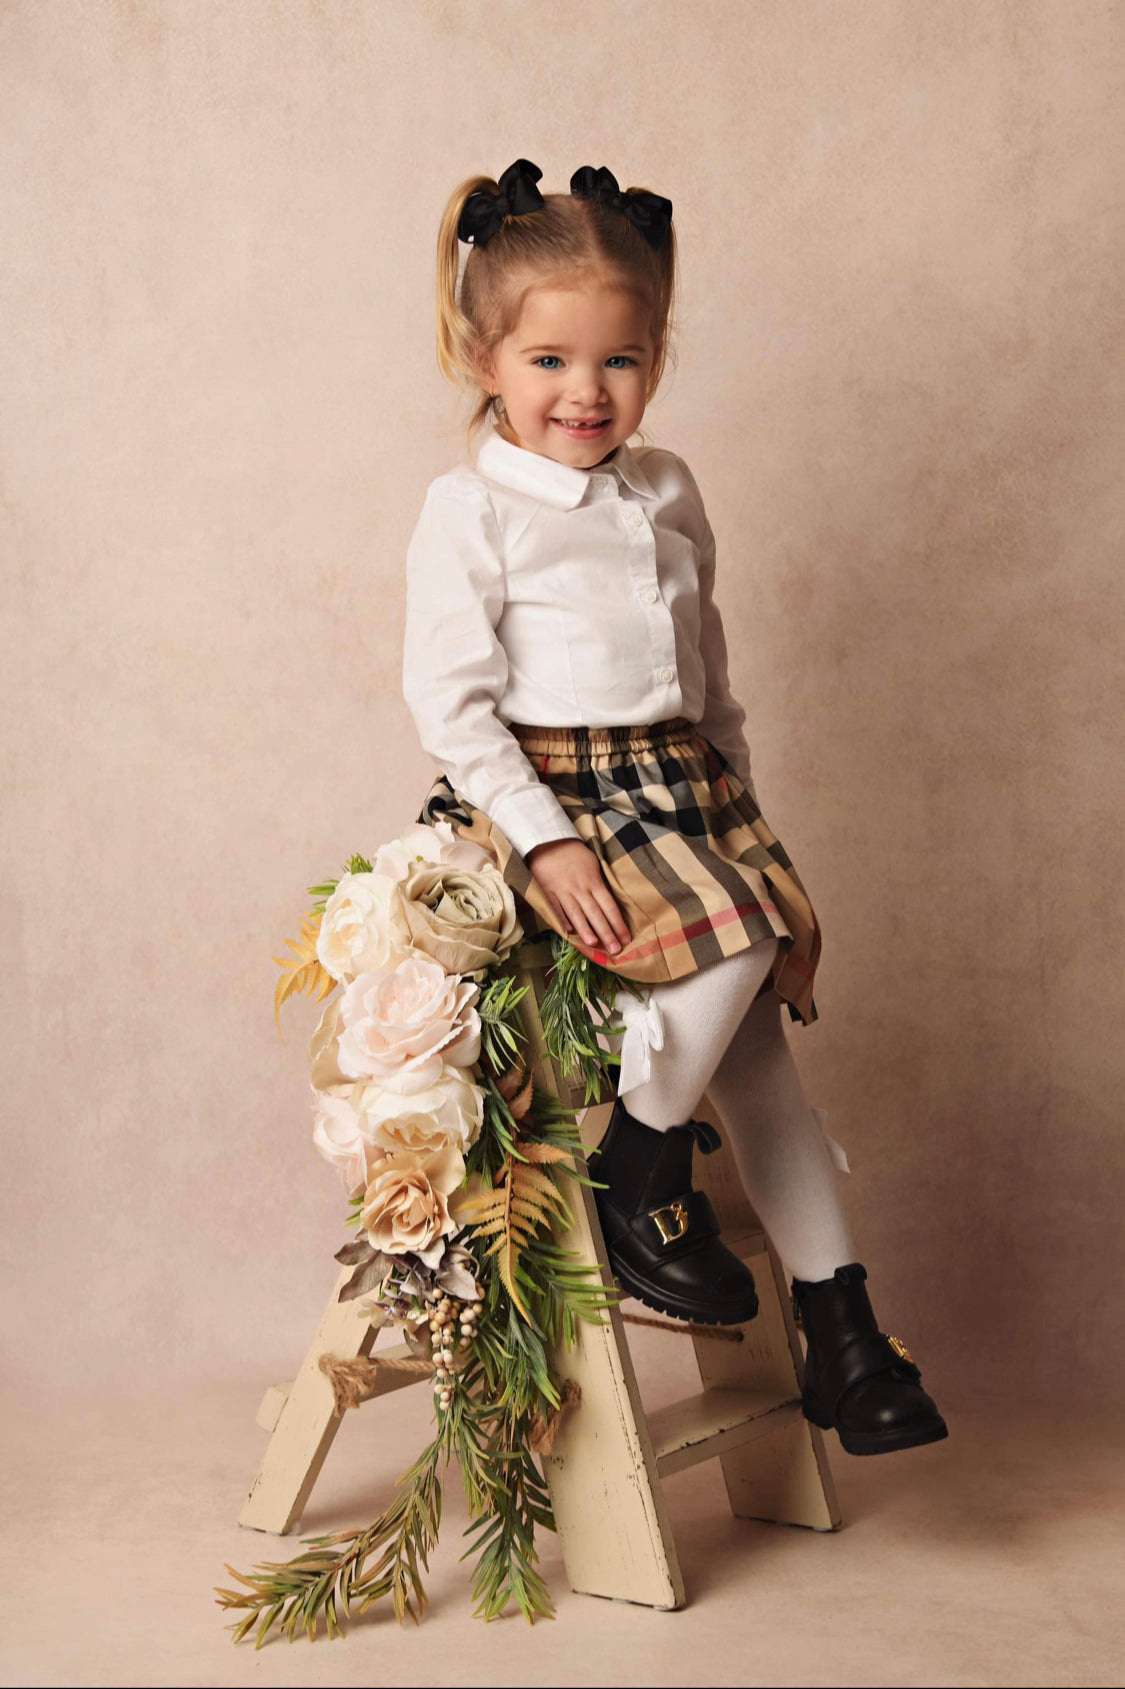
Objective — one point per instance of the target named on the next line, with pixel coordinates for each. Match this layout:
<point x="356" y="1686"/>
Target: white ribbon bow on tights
<point x="643" y="1032"/>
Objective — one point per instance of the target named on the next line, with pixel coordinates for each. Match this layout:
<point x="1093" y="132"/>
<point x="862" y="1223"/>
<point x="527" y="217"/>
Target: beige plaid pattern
<point x="684" y="848"/>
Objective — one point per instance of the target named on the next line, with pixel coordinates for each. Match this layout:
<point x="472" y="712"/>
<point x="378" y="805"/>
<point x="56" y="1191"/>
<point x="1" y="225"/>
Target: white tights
<point x="717" y="1040"/>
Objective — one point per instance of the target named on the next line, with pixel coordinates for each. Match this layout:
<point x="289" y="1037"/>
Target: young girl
<point x="566" y="667"/>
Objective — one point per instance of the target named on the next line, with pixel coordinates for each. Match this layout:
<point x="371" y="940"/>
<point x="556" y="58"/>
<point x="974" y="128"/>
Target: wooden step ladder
<point x="609" y="1456"/>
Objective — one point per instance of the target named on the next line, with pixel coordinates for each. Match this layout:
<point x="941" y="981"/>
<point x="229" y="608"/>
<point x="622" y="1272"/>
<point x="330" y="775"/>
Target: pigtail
<point x="665" y="262"/>
<point x="455" y="336"/>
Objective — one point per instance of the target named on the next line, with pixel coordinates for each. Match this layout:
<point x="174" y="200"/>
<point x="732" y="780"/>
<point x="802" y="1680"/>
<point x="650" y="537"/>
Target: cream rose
<point x="465" y="919"/>
<point x="420" y="843"/>
<point x="363" y="926"/>
<point x="338" y="1136"/>
<point x="406" y="1209"/>
<point x="449" y="1114"/>
<point x="402" y="1024"/>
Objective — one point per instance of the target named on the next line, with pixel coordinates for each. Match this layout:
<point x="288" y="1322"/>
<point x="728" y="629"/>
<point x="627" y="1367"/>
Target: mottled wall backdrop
<point x="899" y="383"/>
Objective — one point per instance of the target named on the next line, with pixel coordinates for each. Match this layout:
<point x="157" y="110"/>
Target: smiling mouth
<point x="587" y="424"/>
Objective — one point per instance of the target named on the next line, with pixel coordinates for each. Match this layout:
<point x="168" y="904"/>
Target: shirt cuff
<point x="532" y="817"/>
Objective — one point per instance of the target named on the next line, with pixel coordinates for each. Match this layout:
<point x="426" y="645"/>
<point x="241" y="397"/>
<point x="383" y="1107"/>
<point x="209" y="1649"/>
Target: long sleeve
<point x="454" y="667"/>
<point x="724" y="718"/>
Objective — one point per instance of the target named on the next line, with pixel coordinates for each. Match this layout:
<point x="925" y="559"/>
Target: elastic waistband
<point x="601" y="741"/>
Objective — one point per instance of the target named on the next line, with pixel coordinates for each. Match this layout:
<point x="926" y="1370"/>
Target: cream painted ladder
<point x="609" y="1456"/>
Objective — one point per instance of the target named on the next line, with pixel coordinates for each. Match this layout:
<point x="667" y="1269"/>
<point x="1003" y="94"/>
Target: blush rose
<point x="402" y="1024"/>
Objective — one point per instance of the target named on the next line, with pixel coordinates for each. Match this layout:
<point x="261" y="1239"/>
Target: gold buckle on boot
<point x="665" y="1218"/>
<point x="900" y="1348"/>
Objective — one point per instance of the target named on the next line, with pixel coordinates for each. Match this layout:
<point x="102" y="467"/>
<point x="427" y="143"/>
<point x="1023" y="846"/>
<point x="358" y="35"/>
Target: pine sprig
<point x="322" y="892"/>
<point x="577" y="1003"/>
<point x="502" y="1030"/>
<point x="320" y="1585"/>
<point x="504" y="1540"/>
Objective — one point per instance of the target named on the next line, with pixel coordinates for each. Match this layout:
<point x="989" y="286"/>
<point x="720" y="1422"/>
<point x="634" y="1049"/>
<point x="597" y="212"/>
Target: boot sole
<point x="877" y="1442"/>
<point x="661" y="1304"/>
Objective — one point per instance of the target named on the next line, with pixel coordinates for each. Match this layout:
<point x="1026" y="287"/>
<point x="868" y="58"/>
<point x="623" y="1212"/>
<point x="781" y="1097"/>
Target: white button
<point x="667" y="676"/>
<point x="650" y="595"/>
<point x="602" y="481"/>
<point x="634" y="517"/>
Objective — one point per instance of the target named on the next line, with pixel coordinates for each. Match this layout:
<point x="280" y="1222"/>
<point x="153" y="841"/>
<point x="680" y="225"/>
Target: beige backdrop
<point x="900" y="386"/>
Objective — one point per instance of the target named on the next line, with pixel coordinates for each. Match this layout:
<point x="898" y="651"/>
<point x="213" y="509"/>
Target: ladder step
<point x="747" y="1244"/>
<point x="275" y="1398"/>
<point x="704" y="1426"/>
<point x="272" y="1403"/>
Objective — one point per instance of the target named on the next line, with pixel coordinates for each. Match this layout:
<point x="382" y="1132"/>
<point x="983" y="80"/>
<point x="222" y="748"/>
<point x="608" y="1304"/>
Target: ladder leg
<point x="306" y="1425"/>
<point x="609" y="1507"/>
<point x="784" y="1476"/>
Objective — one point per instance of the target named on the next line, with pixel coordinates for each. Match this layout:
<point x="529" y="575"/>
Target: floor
<point x="993" y="1558"/>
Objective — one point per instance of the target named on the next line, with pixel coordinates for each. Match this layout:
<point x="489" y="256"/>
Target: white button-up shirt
<point x="542" y="594"/>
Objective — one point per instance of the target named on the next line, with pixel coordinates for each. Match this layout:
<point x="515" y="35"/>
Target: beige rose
<point x="403" y="1024"/>
<point x="406" y="1209"/>
<point x="420" y="843"/>
<point x="449" y="1114"/>
<point x="465" y="919"/>
<point x="363" y="926"/>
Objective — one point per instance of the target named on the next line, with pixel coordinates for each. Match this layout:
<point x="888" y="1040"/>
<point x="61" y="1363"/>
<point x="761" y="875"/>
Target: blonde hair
<point x="565" y="241"/>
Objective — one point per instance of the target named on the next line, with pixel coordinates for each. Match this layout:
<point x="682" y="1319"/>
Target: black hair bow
<point x="649" y="213"/>
<point x="484" y="211"/>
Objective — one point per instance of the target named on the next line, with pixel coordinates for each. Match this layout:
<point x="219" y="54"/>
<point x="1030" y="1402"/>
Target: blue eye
<point x="551" y="357"/>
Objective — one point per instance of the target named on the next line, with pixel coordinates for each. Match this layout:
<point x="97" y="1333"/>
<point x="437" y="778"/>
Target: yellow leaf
<point x="479" y="1207"/>
<point x="523" y="1201"/>
<point x="534" y="1208"/>
<point x="529" y="1179"/>
<point x="491" y="1226"/>
<point x="304" y="974"/>
<point x="507" y="1274"/>
<point x="541" y="1152"/>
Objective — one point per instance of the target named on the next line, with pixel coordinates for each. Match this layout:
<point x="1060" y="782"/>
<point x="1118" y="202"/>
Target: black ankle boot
<point x="858" y="1380"/>
<point x="662" y="1236"/>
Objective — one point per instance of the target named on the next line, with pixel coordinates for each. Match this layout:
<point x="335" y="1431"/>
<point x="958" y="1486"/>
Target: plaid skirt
<point x="682" y="844"/>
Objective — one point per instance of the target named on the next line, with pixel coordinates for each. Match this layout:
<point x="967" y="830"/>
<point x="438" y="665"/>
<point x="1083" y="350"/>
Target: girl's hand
<point x="572" y="878"/>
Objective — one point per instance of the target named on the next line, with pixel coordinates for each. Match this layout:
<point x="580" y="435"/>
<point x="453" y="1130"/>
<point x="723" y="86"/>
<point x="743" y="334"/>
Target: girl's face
<point x="576" y="353"/>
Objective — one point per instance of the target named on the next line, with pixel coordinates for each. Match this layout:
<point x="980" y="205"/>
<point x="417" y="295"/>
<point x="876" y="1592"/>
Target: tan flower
<point x="402" y="1024"/>
<point x="464" y="918"/>
<point x="406" y="1208"/>
<point x="448" y="1114"/>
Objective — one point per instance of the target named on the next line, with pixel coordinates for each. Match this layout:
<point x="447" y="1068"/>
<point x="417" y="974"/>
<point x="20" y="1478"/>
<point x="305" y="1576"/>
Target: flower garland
<point x="452" y="1158"/>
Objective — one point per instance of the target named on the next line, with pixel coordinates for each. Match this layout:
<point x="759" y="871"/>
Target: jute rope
<point x="685" y="1328"/>
<point x="357" y="1381"/>
<point x="542" y="1433"/>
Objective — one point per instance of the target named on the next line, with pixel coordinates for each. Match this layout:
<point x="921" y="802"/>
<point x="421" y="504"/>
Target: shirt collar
<point x="544" y="478"/>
